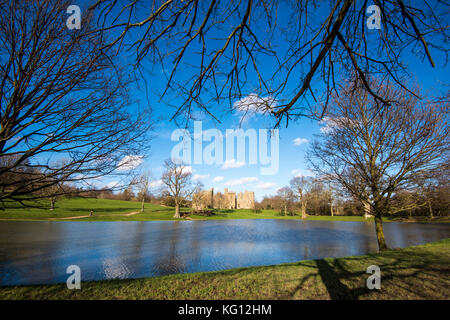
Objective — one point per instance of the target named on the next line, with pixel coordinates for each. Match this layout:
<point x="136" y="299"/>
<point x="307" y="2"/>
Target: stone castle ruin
<point x="227" y="200"/>
<point x="245" y="200"/>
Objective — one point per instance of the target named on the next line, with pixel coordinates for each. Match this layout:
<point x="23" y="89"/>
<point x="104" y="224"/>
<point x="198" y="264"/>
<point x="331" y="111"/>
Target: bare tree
<point x="211" y="52"/>
<point x="61" y="97"/>
<point x="51" y="193"/>
<point x="406" y="201"/>
<point x="360" y="189"/>
<point x="329" y="195"/>
<point x="143" y="184"/>
<point x="177" y="179"/>
<point x="317" y="198"/>
<point x="334" y="194"/>
<point x="383" y="147"/>
<point x="427" y="182"/>
<point x="441" y="189"/>
<point x="301" y="185"/>
<point x="287" y="196"/>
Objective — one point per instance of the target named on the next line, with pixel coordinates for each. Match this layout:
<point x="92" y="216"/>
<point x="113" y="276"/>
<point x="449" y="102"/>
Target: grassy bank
<point x="117" y="210"/>
<point x="420" y="272"/>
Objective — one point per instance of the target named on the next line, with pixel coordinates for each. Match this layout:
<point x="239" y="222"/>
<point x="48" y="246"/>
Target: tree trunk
<point x="52" y="204"/>
<point x="430" y="209"/>
<point x="380" y="235"/>
<point x="142" y="204"/>
<point x="331" y="209"/>
<point x="177" y="211"/>
<point x="303" y="210"/>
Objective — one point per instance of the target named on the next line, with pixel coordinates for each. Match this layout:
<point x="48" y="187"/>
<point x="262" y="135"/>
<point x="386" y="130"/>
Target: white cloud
<point x="200" y="177"/>
<point x="299" y="141"/>
<point x="301" y="173"/>
<point x="156" y="184"/>
<point x="243" y="180"/>
<point x="232" y="164"/>
<point x="265" y="185"/>
<point x="218" y="179"/>
<point x="330" y="124"/>
<point x="256" y="104"/>
<point x="112" y="184"/>
<point x="129" y="162"/>
<point x="188" y="169"/>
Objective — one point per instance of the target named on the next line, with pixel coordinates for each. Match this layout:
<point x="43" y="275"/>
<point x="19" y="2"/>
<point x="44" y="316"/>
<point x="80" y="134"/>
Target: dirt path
<point x="102" y="215"/>
<point x="130" y="214"/>
<point x="68" y="218"/>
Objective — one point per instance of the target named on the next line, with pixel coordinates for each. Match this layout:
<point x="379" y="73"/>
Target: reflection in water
<point x="170" y="259"/>
<point x="39" y="252"/>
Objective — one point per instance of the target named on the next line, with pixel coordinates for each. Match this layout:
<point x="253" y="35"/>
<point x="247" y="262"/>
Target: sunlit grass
<point x="115" y="210"/>
<point x="68" y="207"/>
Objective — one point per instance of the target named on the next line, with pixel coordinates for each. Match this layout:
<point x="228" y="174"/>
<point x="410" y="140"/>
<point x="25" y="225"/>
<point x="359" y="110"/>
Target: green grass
<point x="68" y="208"/>
<point x="115" y="210"/>
<point x="420" y="272"/>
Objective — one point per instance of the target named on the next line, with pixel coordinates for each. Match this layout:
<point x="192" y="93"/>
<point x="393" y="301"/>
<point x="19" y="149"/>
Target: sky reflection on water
<point x="40" y="252"/>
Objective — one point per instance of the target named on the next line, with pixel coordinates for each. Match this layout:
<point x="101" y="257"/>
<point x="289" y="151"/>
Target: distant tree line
<point x="429" y="199"/>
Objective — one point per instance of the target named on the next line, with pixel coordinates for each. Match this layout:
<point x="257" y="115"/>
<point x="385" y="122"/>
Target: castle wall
<point x="228" y="200"/>
<point x="246" y="200"/>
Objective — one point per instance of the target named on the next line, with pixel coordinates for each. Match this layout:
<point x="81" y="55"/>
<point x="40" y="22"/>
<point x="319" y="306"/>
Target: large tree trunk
<point x="303" y="210"/>
<point x="142" y="204"/>
<point x="380" y="235"/>
<point x="331" y="209"/>
<point x="52" y="203"/>
<point x="177" y="211"/>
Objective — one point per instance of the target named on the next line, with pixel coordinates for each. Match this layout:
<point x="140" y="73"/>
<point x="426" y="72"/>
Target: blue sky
<point x="291" y="154"/>
<point x="293" y="144"/>
<point x="239" y="176"/>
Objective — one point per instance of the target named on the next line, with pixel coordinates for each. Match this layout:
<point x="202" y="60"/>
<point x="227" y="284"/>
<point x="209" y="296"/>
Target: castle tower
<point x="212" y="198"/>
<point x="230" y="199"/>
<point x="246" y="200"/>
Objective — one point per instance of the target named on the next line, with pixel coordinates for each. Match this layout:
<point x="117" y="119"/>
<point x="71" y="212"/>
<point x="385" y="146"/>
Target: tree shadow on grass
<point x="331" y="277"/>
<point x="411" y="274"/>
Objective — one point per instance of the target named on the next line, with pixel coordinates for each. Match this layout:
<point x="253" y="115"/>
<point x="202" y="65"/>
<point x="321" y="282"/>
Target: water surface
<point x="39" y="252"/>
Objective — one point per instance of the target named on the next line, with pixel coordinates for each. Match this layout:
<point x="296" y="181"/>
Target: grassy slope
<point x="109" y="210"/>
<point x="421" y="272"/>
<point x="114" y="210"/>
<point x="70" y="207"/>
